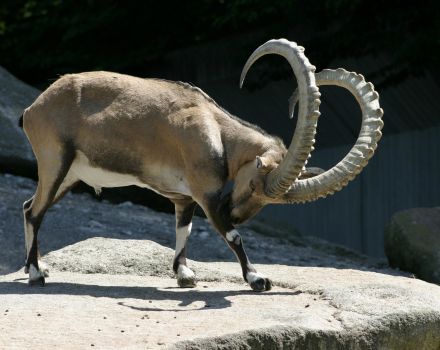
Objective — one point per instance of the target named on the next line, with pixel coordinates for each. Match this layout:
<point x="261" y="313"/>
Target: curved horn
<point x="281" y="179"/>
<point x="357" y="158"/>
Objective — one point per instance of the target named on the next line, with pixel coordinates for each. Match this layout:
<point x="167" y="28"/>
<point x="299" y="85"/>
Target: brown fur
<point x="109" y="130"/>
<point x="129" y="125"/>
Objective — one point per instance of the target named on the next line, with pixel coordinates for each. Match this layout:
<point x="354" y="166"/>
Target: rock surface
<point x="80" y="216"/>
<point x="15" y="96"/>
<point x="309" y="307"/>
<point x="113" y="288"/>
<point x="412" y="242"/>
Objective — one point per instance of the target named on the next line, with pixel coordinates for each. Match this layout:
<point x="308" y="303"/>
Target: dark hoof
<point x="39" y="282"/>
<point x="186" y="282"/>
<point x="26" y="269"/>
<point x="261" y="284"/>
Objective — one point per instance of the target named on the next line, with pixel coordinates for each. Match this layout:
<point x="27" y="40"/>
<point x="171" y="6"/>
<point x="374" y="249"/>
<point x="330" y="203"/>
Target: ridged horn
<point x="281" y="179"/>
<point x="356" y="159"/>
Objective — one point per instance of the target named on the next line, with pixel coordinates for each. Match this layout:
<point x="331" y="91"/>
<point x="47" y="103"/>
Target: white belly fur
<point x="170" y="180"/>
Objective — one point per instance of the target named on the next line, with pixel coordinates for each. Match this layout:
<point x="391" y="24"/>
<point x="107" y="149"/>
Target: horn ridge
<point x="357" y="158"/>
<point x="279" y="181"/>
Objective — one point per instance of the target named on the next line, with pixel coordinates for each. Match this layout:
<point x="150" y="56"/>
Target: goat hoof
<point x="185" y="277"/>
<point x="258" y="281"/>
<point x="37" y="275"/>
<point x="186" y="282"/>
<point x="261" y="284"/>
<point x="43" y="269"/>
<point x="39" y="282"/>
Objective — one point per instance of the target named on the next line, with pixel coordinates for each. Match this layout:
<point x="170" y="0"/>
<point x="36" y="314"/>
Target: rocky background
<point x="112" y="286"/>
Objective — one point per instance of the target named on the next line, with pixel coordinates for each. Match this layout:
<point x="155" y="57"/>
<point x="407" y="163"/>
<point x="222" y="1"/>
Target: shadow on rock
<point x="185" y="297"/>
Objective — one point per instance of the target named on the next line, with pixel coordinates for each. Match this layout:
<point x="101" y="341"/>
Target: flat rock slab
<point x="75" y="311"/>
<point x="309" y="307"/>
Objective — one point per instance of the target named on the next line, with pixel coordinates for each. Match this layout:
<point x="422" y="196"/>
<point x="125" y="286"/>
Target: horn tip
<point x="243" y="77"/>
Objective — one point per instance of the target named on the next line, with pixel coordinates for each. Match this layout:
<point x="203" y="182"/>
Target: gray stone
<point x="99" y="298"/>
<point x="412" y="242"/>
<point x="15" y="96"/>
<point x="79" y="216"/>
<point x="104" y="284"/>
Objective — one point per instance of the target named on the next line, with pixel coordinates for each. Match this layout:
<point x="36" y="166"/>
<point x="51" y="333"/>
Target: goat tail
<point x="20" y="121"/>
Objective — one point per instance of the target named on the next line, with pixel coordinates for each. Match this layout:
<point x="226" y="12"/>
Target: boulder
<point x="15" y="96"/>
<point x="112" y="293"/>
<point x="412" y="242"/>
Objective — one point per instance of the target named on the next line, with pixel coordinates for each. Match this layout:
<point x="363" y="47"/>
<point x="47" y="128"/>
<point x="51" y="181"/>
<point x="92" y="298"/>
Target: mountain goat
<point x="109" y="130"/>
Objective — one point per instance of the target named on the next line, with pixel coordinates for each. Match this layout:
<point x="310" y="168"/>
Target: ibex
<point x="111" y="130"/>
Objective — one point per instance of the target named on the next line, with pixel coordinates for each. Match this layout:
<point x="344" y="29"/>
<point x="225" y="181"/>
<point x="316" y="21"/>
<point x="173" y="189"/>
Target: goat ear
<point x="259" y="162"/>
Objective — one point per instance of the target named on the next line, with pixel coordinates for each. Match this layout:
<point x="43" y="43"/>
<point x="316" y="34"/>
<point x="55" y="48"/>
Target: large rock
<point x="119" y="292"/>
<point x="15" y="96"/>
<point x="79" y="216"/>
<point x="412" y="242"/>
<point x="309" y="308"/>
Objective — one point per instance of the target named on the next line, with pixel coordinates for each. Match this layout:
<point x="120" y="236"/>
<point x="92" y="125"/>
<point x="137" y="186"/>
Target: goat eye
<point x="252" y="185"/>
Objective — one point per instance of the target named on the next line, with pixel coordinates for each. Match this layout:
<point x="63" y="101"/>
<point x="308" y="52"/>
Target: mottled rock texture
<point x="412" y="242"/>
<point x="111" y="286"/>
<point x="95" y="295"/>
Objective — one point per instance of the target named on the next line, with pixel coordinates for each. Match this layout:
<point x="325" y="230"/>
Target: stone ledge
<point x="309" y="307"/>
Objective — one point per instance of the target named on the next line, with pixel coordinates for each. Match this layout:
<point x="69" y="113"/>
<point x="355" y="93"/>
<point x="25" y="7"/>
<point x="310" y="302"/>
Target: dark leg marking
<point x="177" y="260"/>
<point x="33" y="219"/>
<point x="26" y="206"/>
<point x="185" y="215"/>
<point x="28" y="203"/>
<point x="219" y="214"/>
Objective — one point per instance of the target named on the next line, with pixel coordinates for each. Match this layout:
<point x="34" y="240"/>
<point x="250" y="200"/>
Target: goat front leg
<point x="218" y="213"/>
<point x="184" y="214"/>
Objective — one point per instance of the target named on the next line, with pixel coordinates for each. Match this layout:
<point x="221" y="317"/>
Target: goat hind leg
<point x="69" y="181"/>
<point x="52" y="171"/>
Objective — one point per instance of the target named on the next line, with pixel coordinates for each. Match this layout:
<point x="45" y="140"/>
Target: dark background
<point x="41" y="39"/>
